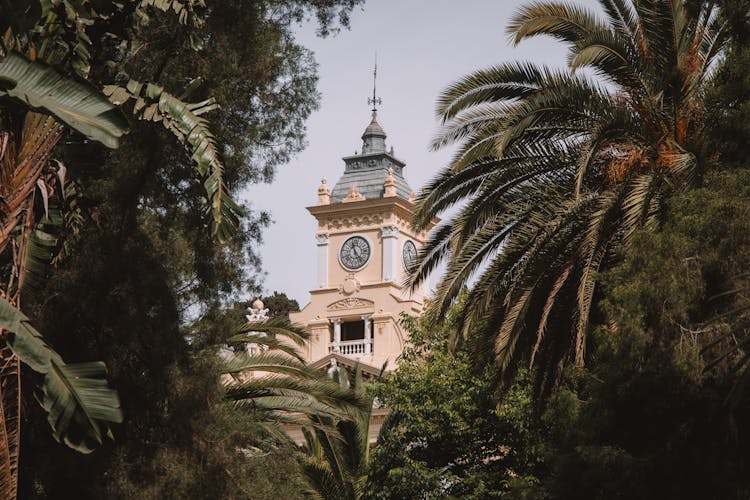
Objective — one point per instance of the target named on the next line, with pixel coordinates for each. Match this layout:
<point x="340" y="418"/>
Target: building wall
<point x="369" y="292"/>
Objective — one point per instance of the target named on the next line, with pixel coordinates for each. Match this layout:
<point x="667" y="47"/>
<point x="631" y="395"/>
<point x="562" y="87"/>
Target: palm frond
<point x="620" y="16"/>
<point x="564" y="21"/>
<point x="278" y="327"/>
<point x="554" y="169"/>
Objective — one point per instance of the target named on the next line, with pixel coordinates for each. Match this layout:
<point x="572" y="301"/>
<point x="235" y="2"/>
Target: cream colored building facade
<point x="364" y="245"/>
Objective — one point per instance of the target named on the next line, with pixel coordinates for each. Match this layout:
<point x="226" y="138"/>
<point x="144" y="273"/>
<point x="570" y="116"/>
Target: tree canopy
<point x="140" y="264"/>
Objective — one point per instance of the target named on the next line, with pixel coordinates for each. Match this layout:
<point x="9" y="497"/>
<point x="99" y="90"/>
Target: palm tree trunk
<point x="22" y="162"/>
<point x="10" y="430"/>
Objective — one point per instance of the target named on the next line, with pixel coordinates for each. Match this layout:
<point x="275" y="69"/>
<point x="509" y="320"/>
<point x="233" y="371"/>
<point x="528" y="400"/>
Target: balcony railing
<point x="352" y="348"/>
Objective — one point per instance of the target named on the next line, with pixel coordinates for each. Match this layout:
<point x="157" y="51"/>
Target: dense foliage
<point x="653" y="416"/>
<point x="335" y="457"/>
<point x="657" y="413"/>
<point x="445" y="435"/>
<point x="141" y="264"/>
<point x="279" y="305"/>
<point x="660" y="408"/>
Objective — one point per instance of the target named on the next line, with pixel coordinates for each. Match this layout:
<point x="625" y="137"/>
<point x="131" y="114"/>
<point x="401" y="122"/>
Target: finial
<point x="390" y="184"/>
<point x="258" y="312"/>
<point x="374" y="100"/>
<point x="324" y="193"/>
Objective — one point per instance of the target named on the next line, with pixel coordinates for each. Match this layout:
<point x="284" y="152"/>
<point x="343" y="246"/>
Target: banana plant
<point x="186" y="122"/>
<point x="39" y="103"/>
<point x="80" y="404"/>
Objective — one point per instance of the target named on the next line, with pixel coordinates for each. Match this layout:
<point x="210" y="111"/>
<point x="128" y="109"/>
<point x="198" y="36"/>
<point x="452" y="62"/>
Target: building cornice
<point x="368" y="156"/>
<point x="399" y="206"/>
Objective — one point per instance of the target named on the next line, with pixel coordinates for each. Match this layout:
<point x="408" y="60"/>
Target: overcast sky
<point x="422" y="46"/>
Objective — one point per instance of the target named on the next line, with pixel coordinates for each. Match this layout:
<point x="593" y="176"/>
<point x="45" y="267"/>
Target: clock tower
<point x="365" y="244"/>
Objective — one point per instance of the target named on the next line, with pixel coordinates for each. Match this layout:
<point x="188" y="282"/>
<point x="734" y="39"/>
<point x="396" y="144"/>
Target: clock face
<point x="355" y="252"/>
<point x="410" y="255"/>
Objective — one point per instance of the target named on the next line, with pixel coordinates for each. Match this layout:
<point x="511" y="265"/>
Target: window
<point x="352" y="330"/>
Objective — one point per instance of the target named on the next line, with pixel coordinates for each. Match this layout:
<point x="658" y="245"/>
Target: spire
<point x="373" y="172"/>
<point x="373" y="139"/>
<point x="375" y="100"/>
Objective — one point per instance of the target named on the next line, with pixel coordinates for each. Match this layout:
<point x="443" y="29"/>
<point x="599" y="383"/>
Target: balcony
<point x="352" y="348"/>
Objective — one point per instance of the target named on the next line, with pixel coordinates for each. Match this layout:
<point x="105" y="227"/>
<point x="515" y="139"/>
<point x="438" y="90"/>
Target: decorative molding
<point x="350" y="303"/>
<point x="389" y="231"/>
<point x="353" y="195"/>
<point x="321" y="239"/>
<point x="357" y="221"/>
<point x="351" y="285"/>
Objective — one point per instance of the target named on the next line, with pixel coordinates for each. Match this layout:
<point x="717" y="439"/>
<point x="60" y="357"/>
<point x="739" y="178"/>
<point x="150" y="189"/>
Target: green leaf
<point x="79" y="402"/>
<point x="184" y="121"/>
<point x="27" y="343"/>
<point x="42" y="246"/>
<point x="73" y="102"/>
<point x="77" y="398"/>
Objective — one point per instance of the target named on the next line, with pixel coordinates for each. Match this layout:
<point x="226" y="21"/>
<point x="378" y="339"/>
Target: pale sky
<point x="422" y="46"/>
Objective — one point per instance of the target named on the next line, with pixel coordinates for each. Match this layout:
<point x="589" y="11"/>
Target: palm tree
<point x="556" y="168"/>
<point x="337" y="454"/>
<point x="265" y="375"/>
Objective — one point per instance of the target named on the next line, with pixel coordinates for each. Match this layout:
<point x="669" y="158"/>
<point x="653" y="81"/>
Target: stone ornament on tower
<point x="258" y="312"/>
<point x="354" y="195"/>
<point x="351" y="285"/>
<point x="324" y="192"/>
<point x="333" y="368"/>
<point x="389" y="184"/>
<point x="389" y="231"/>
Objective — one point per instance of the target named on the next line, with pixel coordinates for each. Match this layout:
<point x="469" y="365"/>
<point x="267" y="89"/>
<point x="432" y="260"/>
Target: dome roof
<point x="373" y="129"/>
<point x="373" y="139"/>
<point x="258" y="305"/>
<point x="368" y="171"/>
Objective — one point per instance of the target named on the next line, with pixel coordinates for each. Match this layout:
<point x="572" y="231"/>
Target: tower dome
<point x="373" y="139"/>
<point x="368" y="170"/>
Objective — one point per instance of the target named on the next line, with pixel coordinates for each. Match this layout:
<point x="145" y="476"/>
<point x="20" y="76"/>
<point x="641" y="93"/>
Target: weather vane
<point x="374" y="100"/>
